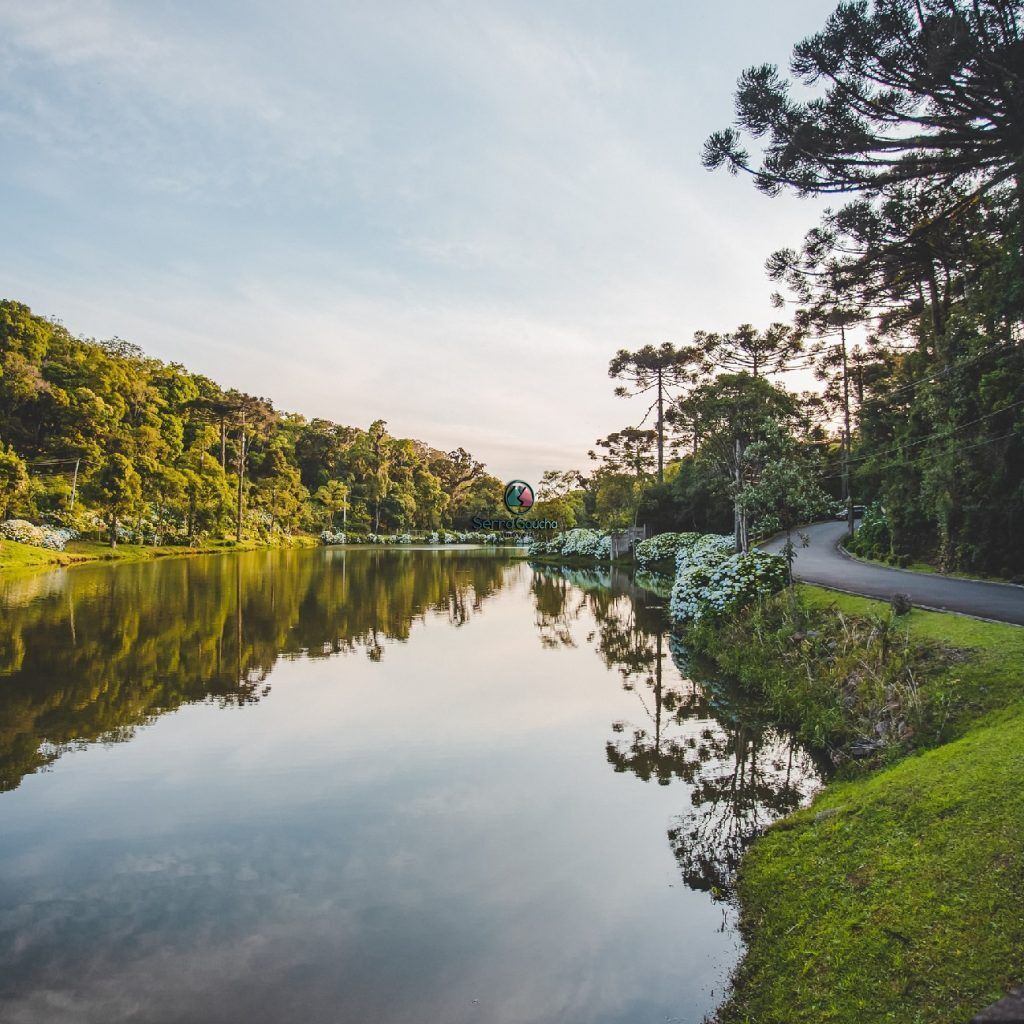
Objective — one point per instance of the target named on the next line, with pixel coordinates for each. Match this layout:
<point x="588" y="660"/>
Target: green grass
<point x="905" y="904"/>
<point x="991" y="679"/>
<point x="14" y="556"/>
<point x="927" y="567"/>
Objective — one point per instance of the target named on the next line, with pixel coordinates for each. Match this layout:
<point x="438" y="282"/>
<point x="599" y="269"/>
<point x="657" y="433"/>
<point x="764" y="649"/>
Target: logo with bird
<point x="518" y="497"/>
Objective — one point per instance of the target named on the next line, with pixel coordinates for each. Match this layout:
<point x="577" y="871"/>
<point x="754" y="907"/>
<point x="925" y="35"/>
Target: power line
<point x="939" y="455"/>
<point x="55" y="462"/>
<point x="941" y="373"/>
<point x="923" y="440"/>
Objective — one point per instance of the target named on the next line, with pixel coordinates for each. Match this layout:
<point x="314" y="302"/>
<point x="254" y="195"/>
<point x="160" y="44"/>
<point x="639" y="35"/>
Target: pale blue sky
<point x="448" y="215"/>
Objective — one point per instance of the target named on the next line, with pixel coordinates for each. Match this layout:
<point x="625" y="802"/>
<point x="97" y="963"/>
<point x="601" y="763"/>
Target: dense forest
<point x="96" y="436"/>
<point x="906" y="301"/>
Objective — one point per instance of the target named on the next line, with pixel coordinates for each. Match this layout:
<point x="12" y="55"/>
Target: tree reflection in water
<point x="89" y="654"/>
<point x="742" y="772"/>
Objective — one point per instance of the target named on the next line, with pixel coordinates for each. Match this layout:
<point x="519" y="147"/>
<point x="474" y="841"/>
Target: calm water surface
<point x="366" y="786"/>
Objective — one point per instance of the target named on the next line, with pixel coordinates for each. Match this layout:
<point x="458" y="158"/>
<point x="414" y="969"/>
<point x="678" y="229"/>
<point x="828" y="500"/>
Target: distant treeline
<point x="99" y="437"/>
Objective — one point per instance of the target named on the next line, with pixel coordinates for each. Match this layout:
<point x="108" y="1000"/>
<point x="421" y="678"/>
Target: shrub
<point x="708" y="549"/>
<point x="901" y="604"/>
<point x="664" y="547"/>
<point x="873" y="538"/>
<point x="54" y="538"/>
<point x="332" y="537"/>
<point x="587" y="544"/>
<point x="711" y="580"/>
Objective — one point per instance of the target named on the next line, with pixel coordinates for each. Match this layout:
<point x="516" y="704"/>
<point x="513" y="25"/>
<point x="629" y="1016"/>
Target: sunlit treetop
<point x="929" y="91"/>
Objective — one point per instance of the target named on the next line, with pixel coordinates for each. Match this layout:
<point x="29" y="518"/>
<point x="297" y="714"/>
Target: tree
<point x="117" y="488"/>
<point x="334" y="498"/>
<point x="13" y="479"/>
<point x="829" y="307"/>
<point x="372" y="453"/>
<point x="629" y="450"/>
<point x="661" y="371"/>
<point x="280" y="490"/>
<point x="458" y="471"/>
<point x="733" y="411"/>
<point x="783" y="493"/>
<point x="747" y="350"/>
<point x="914" y="91"/>
<point x="556" y="483"/>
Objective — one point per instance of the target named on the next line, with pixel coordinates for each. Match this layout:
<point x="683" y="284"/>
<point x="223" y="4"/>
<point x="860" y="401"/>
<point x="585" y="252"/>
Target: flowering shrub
<point x="575" y="544"/>
<point x="708" y="549"/>
<point x="435" y="537"/>
<point x="587" y="544"/>
<point x="553" y="546"/>
<point x="664" y="547"/>
<point x="702" y="590"/>
<point x="52" y="537"/>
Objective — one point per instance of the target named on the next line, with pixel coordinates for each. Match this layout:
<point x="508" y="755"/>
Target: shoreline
<point x="17" y="557"/>
<point x="892" y="894"/>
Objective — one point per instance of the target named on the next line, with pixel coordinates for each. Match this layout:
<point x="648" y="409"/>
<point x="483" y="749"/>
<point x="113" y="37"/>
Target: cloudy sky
<point x="446" y="215"/>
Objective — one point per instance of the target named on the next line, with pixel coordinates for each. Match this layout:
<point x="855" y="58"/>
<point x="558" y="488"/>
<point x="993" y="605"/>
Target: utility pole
<point x="241" y="476"/>
<point x="847" y="493"/>
<point x="661" y="428"/>
<point x="74" y="484"/>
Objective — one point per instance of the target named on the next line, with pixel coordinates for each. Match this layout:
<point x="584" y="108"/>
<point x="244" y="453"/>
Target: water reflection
<point x="368" y="793"/>
<point x="90" y="653"/>
<point x="743" y="773"/>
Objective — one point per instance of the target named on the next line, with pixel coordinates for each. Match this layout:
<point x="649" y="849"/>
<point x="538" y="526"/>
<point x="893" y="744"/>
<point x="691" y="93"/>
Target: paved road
<point x="823" y="562"/>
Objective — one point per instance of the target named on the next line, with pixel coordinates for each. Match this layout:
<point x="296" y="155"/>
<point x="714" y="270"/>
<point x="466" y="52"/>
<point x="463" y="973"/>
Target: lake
<point x="367" y="785"/>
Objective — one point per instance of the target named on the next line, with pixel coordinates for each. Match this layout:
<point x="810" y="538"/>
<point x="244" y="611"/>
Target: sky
<point x="446" y="215"/>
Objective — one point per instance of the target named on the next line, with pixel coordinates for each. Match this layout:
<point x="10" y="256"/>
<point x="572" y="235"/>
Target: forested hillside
<point x="98" y="437"/>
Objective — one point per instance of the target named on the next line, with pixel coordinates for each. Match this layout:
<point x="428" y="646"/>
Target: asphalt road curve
<point x="823" y="562"/>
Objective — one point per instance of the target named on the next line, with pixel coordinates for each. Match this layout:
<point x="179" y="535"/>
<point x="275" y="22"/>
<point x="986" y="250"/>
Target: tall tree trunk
<point x="223" y="445"/>
<point x="847" y="493"/>
<point x="241" y="480"/>
<point x="739" y="516"/>
<point x="661" y="428"/>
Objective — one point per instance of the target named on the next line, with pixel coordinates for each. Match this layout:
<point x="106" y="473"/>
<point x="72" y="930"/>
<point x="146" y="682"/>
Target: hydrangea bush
<point x="708" y="549"/>
<point x="53" y="538"/>
<point x="579" y="543"/>
<point x="332" y="537"/>
<point x="703" y="590"/>
<point x="664" y="547"/>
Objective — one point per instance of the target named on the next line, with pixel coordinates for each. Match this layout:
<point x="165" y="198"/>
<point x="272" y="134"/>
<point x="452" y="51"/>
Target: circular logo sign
<point x="518" y="497"/>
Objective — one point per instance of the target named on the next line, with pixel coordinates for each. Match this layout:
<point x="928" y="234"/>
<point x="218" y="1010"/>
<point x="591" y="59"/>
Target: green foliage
<point x="873" y="539"/>
<point x="895" y="896"/>
<point x="166" y="456"/>
<point x="117" y="488"/>
<point x="914" y="113"/>
<point x="13" y="479"/>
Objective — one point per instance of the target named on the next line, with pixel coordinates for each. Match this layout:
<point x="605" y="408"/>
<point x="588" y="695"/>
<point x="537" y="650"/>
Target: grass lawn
<point x="15" y="556"/>
<point x="903" y="902"/>
<point x="927" y="567"/>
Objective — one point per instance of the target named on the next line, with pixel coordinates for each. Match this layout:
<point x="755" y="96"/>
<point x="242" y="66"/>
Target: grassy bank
<point x="897" y="895"/>
<point x="15" y="556"/>
<point x="927" y="567"/>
